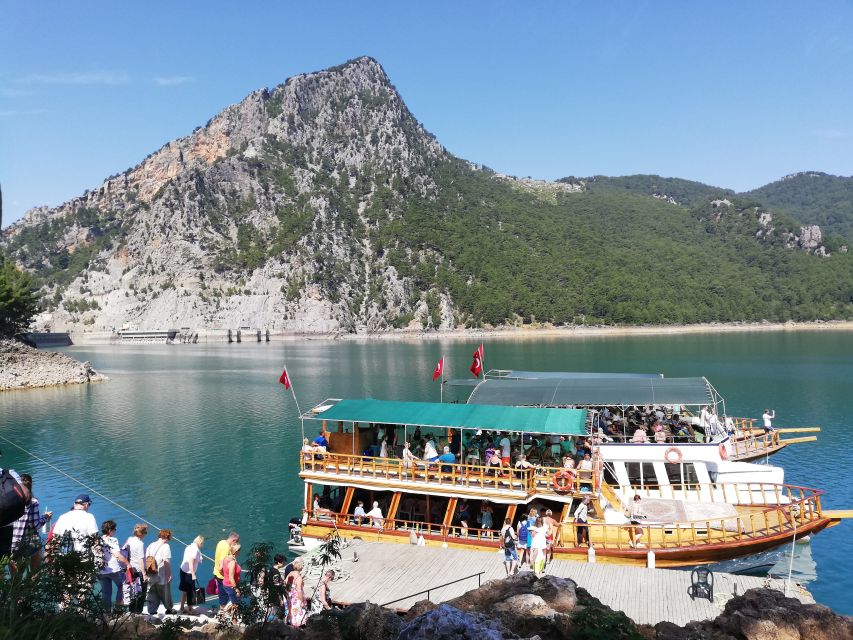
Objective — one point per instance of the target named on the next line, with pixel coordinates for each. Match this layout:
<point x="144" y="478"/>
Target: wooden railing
<point x="763" y="522"/>
<point x="748" y="442"/>
<point x="492" y="478"/>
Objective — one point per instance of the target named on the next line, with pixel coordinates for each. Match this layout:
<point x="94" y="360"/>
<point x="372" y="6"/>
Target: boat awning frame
<point x="570" y="422"/>
<point x="595" y="392"/>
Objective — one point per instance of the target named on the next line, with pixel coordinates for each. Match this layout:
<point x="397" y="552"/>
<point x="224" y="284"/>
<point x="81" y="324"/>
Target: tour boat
<point x="698" y="508"/>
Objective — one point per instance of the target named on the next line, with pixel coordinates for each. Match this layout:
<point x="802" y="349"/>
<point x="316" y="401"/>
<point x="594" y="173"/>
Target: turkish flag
<point x="283" y="379"/>
<point x="439" y="369"/>
<point x="477" y="365"/>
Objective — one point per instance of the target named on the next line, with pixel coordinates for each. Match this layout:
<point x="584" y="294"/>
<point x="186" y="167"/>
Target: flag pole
<point x="293" y="393"/>
<point x="441" y="382"/>
<point x="482" y="361"/>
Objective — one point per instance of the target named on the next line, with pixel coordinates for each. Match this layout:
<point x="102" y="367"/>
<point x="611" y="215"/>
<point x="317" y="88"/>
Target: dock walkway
<point x="385" y="572"/>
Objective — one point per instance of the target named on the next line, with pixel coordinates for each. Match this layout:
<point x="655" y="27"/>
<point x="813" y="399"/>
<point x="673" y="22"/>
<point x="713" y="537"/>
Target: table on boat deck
<point x="386" y="571"/>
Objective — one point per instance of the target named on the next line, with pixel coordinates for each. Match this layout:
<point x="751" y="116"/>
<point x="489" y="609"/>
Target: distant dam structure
<point x="155" y="336"/>
<point x="40" y="339"/>
<point x="248" y="334"/>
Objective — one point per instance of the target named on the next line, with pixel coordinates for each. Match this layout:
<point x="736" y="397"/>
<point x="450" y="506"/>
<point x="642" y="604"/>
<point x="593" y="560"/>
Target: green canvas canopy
<point x="594" y="392"/>
<point x="569" y="422"/>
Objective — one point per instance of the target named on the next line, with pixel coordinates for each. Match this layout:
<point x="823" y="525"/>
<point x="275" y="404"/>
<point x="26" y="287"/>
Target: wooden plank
<point x="385" y="572"/>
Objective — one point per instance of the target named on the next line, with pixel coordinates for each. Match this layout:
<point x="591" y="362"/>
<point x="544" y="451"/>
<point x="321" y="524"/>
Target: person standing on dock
<point x="222" y="549"/>
<point x="26" y="542"/>
<point x="508" y="542"/>
<point x="77" y="526"/>
<point x="522" y="539"/>
<point x="159" y="580"/>
<point x="136" y="591"/>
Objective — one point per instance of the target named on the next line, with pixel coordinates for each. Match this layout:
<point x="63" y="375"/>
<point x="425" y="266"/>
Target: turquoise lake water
<point x="203" y="439"/>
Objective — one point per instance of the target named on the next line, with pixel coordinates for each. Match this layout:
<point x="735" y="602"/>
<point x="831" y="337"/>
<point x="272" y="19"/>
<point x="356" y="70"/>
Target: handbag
<point x="212" y="587"/>
<point x="198" y="592"/>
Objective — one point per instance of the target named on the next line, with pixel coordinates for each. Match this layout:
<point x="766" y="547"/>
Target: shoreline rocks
<point x="22" y="367"/>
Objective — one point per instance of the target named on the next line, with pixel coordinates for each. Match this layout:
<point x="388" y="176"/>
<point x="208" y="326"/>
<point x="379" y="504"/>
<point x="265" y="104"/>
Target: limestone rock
<point x="22" y="367"/>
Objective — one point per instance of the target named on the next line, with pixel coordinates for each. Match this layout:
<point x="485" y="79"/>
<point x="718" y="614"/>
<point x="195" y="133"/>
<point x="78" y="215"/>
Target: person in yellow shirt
<point x="223" y="547"/>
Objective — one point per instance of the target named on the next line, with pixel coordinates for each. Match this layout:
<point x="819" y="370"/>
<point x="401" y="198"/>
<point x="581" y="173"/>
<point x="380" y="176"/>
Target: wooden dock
<point x="385" y="572"/>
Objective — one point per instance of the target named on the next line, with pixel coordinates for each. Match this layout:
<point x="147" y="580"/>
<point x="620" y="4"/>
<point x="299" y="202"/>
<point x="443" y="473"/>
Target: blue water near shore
<point x="203" y="439"/>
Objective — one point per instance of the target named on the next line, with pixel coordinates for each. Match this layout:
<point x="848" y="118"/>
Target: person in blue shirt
<point x="321" y="441"/>
<point x="447" y="458"/>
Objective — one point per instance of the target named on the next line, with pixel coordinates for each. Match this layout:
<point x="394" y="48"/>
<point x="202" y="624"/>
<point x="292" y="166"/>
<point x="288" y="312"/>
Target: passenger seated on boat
<point x="307" y="450"/>
<point x="408" y="457"/>
<point x="383" y="448"/>
<point x="358" y="514"/>
<point x="376" y="518"/>
<point x="640" y="435"/>
<point x="430" y="452"/>
<point x="523" y="462"/>
<point x="660" y="432"/>
<point x="493" y="461"/>
<point x="447" y="458"/>
<point x="568" y="462"/>
<point x="320" y="512"/>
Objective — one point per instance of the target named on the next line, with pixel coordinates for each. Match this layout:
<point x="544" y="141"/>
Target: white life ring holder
<point x="724" y="453"/>
<point x="672" y="455"/>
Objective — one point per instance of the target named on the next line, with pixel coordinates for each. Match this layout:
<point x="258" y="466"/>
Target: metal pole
<point x="791" y="563"/>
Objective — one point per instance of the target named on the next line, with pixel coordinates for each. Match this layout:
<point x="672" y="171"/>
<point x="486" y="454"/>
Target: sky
<point x="734" y="94"/>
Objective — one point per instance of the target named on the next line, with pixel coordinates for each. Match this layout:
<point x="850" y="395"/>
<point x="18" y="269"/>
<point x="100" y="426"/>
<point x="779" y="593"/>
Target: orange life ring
<point x="672" y="455"/>
<point x="563" y="474"/>
<point x="724" y="453"/>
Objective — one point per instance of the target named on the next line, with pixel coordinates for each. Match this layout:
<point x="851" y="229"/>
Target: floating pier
<point x="384" y="573"/>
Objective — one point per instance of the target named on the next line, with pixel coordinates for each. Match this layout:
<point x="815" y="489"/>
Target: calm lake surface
<point x="203" y="439"/>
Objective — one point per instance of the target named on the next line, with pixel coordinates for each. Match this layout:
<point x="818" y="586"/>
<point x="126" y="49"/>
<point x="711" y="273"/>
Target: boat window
<point x="633" y="471"/>
<point x="673" y="472"/>
<point x="641" y="474"/>
<point x="650" y="478"/>
<point x="690" y="474"/>
<point x="610" y="474"/>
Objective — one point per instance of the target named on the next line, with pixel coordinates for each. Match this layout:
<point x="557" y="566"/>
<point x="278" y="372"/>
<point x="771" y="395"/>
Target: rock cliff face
<point x="256" y="218"/>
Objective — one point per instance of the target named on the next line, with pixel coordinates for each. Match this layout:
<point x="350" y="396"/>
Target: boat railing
<point x="755" y="524"/>
<point x="735" y="493"/>
<point x="394" y="470"/>
<point x="765" y="522"/>
<point x="749" y="442"/>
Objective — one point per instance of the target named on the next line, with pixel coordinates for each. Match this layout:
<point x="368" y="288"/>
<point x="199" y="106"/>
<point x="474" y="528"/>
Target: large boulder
<point x="363" y="621"/>
<point x="557" y="593"/>
<point x="766" y="614"/>
<point x="448" y="623"/>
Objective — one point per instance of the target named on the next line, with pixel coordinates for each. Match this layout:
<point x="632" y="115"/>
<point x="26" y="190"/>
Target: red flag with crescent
<point x="284" y="379"/>
<point x="439" y="369"/>
<point x="477" y="365"/>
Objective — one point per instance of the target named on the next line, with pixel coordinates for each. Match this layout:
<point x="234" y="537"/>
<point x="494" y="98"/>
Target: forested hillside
<point x="324" y="205"/>
<point x="813" y="198"/>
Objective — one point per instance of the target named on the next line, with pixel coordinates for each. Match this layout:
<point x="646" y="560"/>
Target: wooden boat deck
<point x="385" y="572"/>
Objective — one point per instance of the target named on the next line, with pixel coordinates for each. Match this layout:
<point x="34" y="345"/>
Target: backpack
<point x="13" y="500"/>
<point x="523" y="531"/>
<point x="151" y="561"/>
<point x="509" y="541"/>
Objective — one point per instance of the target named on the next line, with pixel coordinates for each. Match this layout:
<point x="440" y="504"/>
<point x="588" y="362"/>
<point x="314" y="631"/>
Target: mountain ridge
<point x="323" y="205"/>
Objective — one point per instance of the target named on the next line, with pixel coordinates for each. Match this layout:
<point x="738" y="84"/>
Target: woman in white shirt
<point x="112" y="572"/>
<point x="135" y="592"/>
<point x="430" y="452"/>
<point x="408" y="457"/>
<point x="189" y="574"/>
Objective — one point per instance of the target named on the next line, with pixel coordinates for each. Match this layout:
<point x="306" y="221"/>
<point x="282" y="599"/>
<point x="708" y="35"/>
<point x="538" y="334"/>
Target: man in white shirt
<point x="78" y="526"/>
<point x="768" y="416"/>
<point x="376" y="517"/>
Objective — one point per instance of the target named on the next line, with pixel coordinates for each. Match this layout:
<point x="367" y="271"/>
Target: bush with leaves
<point x="18" y="300"/>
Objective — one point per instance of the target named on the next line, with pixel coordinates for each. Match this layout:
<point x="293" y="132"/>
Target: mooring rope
<point x="95" y="491"/>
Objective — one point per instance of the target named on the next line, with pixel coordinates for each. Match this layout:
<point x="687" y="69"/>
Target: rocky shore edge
<point x="526" y="607"/>
<point x="22" y="367"/>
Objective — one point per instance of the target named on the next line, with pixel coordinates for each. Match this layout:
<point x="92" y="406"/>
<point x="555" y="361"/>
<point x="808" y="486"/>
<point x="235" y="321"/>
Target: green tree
<point x="18" y="300"/>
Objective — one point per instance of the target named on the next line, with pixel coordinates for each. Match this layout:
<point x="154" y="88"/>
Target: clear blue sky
<point x="735" y="94"/>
